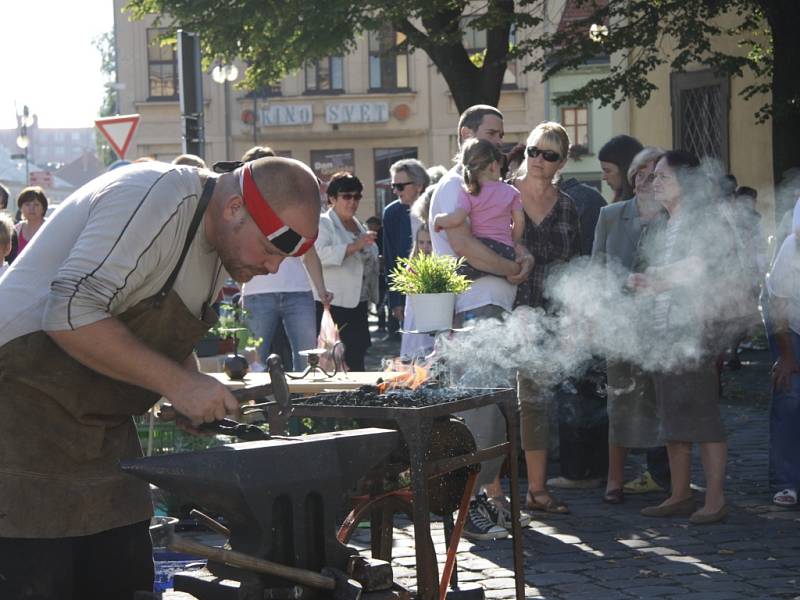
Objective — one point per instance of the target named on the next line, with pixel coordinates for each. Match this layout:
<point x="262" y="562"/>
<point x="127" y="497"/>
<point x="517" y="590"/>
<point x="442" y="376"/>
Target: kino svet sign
<point x="356" y="112"/>
<point x="284" y="115"/>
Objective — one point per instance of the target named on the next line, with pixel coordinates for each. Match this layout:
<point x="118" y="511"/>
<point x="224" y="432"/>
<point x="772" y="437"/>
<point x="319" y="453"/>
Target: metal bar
<point x="449" y="570"/>
<point x="445" y="465"/>
<point x="510" y="409"/>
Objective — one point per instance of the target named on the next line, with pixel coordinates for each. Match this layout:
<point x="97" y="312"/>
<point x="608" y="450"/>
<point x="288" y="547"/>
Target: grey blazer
<point x="617" y="233"/>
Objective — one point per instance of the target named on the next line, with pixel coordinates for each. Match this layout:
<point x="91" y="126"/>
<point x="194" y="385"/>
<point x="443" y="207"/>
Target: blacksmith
<point x="98" y="319"/>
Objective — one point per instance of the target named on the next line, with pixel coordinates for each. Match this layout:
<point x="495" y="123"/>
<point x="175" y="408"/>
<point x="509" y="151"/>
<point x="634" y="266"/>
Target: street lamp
<point x="225" y="74"/>
<point x="23" y="141"/>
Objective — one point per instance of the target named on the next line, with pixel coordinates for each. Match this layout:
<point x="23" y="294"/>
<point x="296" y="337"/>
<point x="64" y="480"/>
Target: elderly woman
<point x="349" y="259"/>
<point x="32" y="204"/>
<point x="690" y="274"/>
<point x="409" y="180"/>
<point x="552" y="236"/>
<point x="631" y="398"/>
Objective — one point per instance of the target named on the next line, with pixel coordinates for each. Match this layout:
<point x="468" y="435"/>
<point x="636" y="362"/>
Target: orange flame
<point x="399" y="375"/>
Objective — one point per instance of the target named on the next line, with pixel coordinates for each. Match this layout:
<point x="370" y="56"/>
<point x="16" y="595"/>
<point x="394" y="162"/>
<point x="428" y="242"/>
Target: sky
<point x="51" y="64"/>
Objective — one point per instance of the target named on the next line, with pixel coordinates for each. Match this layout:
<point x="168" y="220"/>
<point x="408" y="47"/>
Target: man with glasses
<point x="488" y="297"/>
<point x="409" y="180"/>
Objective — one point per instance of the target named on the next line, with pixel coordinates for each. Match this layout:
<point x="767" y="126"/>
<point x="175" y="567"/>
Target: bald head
<point x="291" y="189"/>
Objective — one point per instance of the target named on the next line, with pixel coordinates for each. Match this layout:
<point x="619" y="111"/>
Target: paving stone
<point x="545" y="579"/>
<point x="498" y="583"/>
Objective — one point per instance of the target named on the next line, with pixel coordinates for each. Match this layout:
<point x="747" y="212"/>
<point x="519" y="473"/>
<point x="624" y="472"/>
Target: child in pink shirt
<point x="493" y="207"/>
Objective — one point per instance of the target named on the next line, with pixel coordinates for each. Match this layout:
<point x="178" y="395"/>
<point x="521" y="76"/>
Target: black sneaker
<point x="478" y="525"/>
<point x="500" y="511"/>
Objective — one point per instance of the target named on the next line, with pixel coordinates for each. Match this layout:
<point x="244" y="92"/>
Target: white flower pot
<point x="432" y="312"/>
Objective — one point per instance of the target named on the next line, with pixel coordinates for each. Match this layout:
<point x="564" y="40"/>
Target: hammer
<point x="332" y="580"/>
<point x="167" y="412"/>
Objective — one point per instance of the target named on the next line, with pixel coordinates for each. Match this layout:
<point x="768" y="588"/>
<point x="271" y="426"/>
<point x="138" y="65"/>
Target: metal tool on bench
<point x="277" y="387"/>
<point x="281" y="500"/>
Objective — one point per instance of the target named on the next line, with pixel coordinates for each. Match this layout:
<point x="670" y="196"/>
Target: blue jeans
<point x="784" y="421"/>
<point x="295" y="309"/>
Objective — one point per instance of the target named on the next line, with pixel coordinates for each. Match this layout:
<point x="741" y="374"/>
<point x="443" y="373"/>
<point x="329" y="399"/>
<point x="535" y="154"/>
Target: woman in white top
<point x="350" y="265"/>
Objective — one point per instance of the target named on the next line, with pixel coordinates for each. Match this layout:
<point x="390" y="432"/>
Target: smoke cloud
<point x="595" y="313"/>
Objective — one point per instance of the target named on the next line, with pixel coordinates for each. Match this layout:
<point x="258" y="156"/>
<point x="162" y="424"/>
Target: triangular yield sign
<point x="118" y="131"/>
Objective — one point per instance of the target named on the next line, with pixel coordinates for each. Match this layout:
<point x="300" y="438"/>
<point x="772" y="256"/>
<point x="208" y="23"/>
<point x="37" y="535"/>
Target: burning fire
<point x="399" y="375"/>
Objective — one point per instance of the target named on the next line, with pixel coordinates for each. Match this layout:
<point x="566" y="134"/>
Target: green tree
<point x="276" y="37"/>
<point x="679" y="33"/>
<point x="104" y="43"/>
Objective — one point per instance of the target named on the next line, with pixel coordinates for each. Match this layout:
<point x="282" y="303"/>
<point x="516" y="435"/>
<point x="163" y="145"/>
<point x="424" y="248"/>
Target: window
<point x="575" y="120"/>
<point x="325" y="75"/>
<point x="388" y="66"/>
<point x="700" y="105"/>
<point x="76" y="136"/>
<point x="385" y="158"/>
<point x="475" y="44"/>
<point x="162" y="67"/>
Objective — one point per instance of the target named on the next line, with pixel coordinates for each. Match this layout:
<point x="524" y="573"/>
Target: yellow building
<point x="359" y="112"/>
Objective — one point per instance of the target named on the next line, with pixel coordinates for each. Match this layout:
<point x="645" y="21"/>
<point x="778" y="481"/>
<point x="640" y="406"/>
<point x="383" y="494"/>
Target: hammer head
<point x="346" y="588"/>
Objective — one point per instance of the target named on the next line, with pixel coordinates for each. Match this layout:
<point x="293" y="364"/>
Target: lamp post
<point x="23" y="140"/>
<point x="224" y="74"/>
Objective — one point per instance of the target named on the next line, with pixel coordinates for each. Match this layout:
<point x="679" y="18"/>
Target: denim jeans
<point x="295" y="309"/>
<point x="784" y="421"/>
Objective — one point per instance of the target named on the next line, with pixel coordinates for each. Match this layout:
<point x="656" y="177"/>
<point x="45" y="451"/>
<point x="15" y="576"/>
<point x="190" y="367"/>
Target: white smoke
<point x="596" y="314"/>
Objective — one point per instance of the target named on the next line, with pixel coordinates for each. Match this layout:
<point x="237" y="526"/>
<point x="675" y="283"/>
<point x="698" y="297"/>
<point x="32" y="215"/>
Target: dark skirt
<point x="353" y="332"/>
<point x="688" y="405"/>
<point x="632" y="416"/>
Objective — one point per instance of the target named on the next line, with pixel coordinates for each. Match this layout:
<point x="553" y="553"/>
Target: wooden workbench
<point x="311" y="384"/>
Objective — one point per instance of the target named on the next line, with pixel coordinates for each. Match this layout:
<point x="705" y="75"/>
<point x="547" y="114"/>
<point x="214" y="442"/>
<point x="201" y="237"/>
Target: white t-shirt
<point x="111" y="244"/>
<point x="784" y="279"/>
<point x="291" y="277"/>
<point x="484" y="290"/>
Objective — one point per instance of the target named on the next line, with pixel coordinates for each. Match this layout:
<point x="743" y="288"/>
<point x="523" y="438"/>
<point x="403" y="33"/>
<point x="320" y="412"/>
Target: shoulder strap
<point x="205" y="197"/>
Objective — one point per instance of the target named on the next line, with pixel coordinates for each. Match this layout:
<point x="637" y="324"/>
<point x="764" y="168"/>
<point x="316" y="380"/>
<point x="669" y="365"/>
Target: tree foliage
<point x="104" y="43"/>
<point x="275" y="37"/>
<point x="642" y="35"/>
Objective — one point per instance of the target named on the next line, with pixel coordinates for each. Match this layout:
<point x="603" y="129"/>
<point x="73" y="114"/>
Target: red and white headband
<point x="278" y="233"/>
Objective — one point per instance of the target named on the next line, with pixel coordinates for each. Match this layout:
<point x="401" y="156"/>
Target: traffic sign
<point x="118" y="131"/>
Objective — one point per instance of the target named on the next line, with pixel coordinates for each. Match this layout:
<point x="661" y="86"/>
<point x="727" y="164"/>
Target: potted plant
<point x="430" y="283"/>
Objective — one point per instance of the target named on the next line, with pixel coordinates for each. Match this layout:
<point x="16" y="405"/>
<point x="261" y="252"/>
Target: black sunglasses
<point x="400" y="186"/>
<point x="548" y="155"/>
<point x="349" y="196"/>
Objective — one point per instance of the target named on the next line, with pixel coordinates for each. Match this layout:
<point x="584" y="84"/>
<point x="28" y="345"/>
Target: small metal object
<point x="373" y="574"/>
<point x="313" y="355"/>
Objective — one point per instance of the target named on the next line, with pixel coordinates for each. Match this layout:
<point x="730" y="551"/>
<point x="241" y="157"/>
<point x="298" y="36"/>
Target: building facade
<point x="359" y="112"/>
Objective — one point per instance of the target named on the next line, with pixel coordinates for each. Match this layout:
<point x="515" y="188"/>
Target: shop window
<point x="575" y="120"/>
<point x="325" y="75"/>
<point x="162" y="67"/>
<point x="475" y="44"/>
<point x="385" y="158"/>
<point x="388" y="66"/>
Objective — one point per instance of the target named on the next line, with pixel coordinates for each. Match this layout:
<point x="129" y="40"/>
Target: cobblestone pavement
<point x="605" y="552"/>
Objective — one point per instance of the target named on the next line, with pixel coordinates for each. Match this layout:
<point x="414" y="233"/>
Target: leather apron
<point x="64" y="427"/>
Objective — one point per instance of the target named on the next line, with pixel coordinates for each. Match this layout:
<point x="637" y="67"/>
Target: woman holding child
<point x="552" y="235"/>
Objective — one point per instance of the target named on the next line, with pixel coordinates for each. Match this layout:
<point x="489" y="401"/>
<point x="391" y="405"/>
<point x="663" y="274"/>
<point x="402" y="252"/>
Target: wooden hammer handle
<point x="251" y="563"/>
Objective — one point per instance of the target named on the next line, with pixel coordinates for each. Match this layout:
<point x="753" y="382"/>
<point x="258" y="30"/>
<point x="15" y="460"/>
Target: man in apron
<point x="98" y="319"/>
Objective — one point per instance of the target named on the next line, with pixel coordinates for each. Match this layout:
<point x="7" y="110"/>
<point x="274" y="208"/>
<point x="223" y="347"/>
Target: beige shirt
<point x="111" y="244"/>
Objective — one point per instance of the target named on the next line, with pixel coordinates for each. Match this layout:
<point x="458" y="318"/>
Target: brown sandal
<point x="552" y="505"/>
<point x="616" y="496"/>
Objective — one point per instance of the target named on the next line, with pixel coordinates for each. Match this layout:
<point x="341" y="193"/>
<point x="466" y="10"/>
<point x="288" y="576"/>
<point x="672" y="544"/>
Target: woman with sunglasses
<point x="552" y="236"/>
<point x="349" y="259"/>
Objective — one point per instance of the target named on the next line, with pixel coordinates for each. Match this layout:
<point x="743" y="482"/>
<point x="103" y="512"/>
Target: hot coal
<point x="429" y="394"/>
